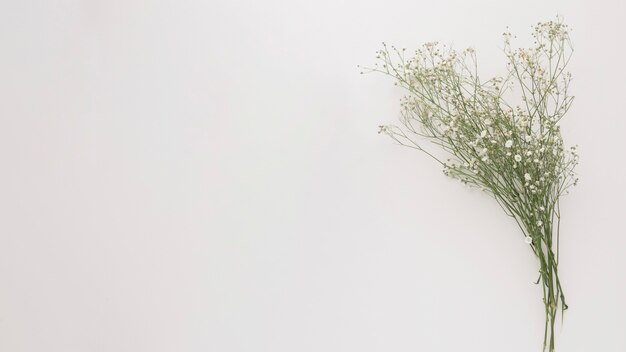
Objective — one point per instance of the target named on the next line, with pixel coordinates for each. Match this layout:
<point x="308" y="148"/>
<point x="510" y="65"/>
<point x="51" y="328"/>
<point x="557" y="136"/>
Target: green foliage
<point x="501" y="135"/>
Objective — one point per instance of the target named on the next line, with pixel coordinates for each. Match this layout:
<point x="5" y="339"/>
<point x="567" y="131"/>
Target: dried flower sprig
<point x="500" y="135"/>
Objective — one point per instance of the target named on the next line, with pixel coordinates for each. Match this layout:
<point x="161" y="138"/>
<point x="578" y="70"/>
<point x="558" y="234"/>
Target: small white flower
<point x="483" y="134"/>
<point x="518" y="158"/>
<point x="539" y="223"/>
<point x="542" y="208"/>
<point x="527" y="177"/>
<point x="508" y="143"/>
<point x="528" y="240"/>
<point x="508" y="154"/>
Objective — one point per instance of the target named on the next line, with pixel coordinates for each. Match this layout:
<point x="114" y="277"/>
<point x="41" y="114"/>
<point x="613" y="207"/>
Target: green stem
<point x="552" y="291"/>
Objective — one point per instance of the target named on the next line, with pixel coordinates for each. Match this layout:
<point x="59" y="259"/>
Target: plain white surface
<point x="206" y="176"/>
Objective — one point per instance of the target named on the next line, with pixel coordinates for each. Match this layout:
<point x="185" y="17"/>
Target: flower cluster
<point x="501" y="135"/>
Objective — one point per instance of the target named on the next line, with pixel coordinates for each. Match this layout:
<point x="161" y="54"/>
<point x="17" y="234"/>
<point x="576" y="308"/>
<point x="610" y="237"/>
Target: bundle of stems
<point x="501" y="135"/>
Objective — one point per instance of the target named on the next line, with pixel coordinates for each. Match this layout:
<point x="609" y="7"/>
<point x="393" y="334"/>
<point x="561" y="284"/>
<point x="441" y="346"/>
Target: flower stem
<point x="552" y="291"/>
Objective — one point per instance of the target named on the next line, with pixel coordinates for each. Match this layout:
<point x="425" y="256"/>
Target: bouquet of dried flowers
<point x="500" y="135"/>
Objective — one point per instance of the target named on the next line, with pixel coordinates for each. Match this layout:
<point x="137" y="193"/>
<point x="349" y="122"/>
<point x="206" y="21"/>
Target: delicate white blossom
<point x="508" y="145"/>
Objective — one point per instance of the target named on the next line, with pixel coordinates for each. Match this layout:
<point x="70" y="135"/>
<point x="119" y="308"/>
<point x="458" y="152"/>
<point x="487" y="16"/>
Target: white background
<point x="207" y="176"/>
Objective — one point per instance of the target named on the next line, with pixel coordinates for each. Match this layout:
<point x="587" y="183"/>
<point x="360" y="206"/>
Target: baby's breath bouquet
<point x="499" y="135"/>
